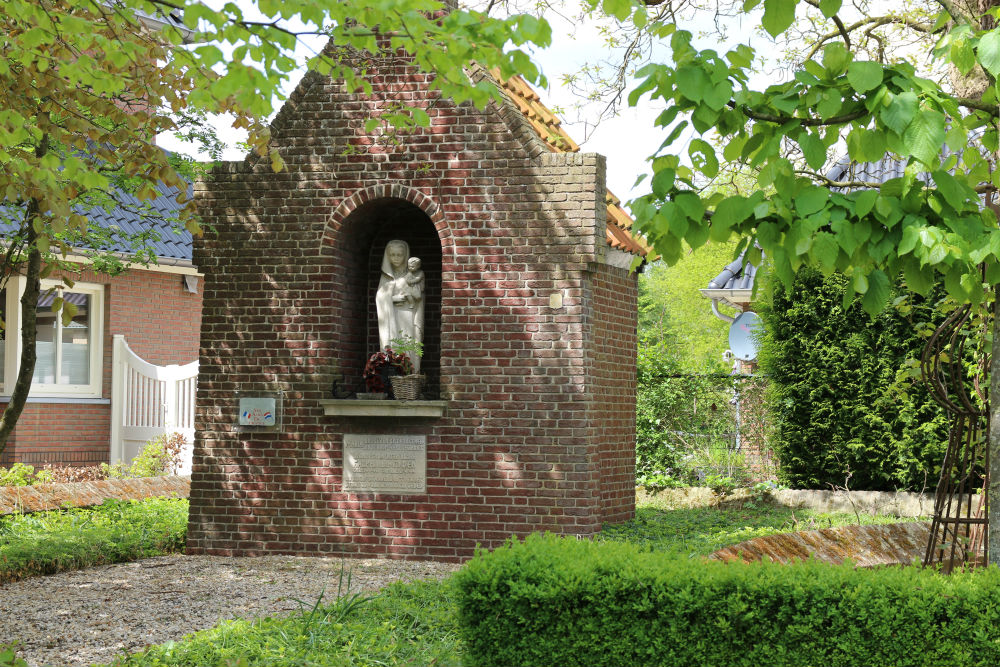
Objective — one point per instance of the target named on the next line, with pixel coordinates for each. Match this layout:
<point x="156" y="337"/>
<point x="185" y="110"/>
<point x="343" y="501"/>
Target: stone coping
<point x="353" y="407"/>
<point x="899" y="503"/>
<point x="87" y="494"/>
<point x="865" y="546"/>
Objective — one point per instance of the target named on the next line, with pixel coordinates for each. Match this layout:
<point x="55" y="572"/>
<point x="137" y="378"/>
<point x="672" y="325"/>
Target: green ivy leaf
<point x="703" y="157"/>
<point x="863" y="76"/>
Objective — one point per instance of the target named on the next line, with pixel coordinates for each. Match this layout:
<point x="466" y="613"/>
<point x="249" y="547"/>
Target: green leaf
<point x="988" y="52"/>
<point x="692" y="205"/>
<point x="864" y="200"/>
<point x="813" y="149"/>
<point x="877" y="294"/>
<point x="835" y="58"/>
<point x="811" y="199"/>
<point x="620" y="9"/>
<point x="963" y="56"/>
<point x="663" y="182"/>
<point x="863" y="76"/>
<point x="829" y="7"/>
<point x="900" y="111"/>
<point x="908" y="241"/>
<point x="730" y="211"/>
<point x="692" y="82"/>
<point x="825" y="250"/>
<point x="924" y="137"/>
<point x="950" y="189"/>
<point x="778" y="16"/>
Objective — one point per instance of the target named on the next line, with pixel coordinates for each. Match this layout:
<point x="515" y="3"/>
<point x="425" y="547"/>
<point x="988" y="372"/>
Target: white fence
<point x="147" y="401"/>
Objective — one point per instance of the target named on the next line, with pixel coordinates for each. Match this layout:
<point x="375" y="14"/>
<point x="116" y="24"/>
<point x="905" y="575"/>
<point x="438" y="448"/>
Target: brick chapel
<point x="527" y="418"/>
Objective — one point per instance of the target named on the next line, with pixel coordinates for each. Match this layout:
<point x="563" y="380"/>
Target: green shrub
<point x="685" y="426"/>
<point x="557" y="601"/>
<point x="114" y="532"/>
<point x="160" y="456"/>
<point x="23" y="475"/>
<point x="845" y="403"/>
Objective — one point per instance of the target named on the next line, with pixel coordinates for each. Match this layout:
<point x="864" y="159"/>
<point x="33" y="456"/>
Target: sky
<point x="626" y="140"/>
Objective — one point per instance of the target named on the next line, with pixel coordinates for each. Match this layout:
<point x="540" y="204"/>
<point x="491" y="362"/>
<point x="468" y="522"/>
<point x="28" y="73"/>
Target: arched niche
<point x="362" y="240"/>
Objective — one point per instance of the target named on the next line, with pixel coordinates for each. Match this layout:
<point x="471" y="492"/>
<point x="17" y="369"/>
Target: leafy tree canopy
<point x="86" y="86"/>
<point x="928" y="224"/>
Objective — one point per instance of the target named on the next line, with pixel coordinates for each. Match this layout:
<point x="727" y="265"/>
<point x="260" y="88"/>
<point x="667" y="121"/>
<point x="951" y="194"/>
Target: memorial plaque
<point x="385" y="463"/>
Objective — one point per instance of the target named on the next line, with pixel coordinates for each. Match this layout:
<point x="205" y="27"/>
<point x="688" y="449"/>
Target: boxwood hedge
<point x="558" y="601"/>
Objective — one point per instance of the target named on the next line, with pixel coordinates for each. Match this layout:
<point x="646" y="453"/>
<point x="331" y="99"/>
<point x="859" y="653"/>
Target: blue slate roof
<point x="131" y="216"/>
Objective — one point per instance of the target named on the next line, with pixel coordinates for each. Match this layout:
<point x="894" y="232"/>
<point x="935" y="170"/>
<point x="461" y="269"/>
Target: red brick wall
<point x="160" y="320"/>
<point x="614" y="293"/>
<point x="288" y="299"/>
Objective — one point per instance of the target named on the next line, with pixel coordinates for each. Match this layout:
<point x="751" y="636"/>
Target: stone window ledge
<point x="349" y="407"/>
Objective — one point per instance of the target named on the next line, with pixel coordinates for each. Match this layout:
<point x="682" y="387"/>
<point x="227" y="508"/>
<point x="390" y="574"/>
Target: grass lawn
<point x="415" y="624"/>
<point x="71" y="539"/>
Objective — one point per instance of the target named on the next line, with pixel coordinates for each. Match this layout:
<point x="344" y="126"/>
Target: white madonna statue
<point x="399" y="300"/>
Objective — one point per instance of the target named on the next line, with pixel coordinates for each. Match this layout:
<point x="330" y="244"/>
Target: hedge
<point x="559" y="601"/>
<point x="846" y="403"/>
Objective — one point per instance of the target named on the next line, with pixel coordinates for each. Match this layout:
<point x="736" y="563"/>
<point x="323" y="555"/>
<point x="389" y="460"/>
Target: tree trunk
<point x="29" y="312"/>
<point x="29" y="330"/>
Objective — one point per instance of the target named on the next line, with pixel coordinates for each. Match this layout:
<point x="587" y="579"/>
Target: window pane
<point x="45" y="366"/>
<point x="76" y="342"/>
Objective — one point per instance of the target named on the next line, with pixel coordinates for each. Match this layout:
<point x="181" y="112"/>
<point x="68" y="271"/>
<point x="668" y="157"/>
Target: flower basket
<point x="406" y="387"/>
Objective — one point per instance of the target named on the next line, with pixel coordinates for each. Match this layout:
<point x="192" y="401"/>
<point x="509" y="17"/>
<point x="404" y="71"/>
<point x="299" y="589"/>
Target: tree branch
<point x="873" y="22"/>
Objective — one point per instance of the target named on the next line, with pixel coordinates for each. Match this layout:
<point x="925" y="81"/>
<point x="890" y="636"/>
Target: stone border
<point x="43" y="497"/>
<point x="865" y="546"/>
<point x="899" y="503"/>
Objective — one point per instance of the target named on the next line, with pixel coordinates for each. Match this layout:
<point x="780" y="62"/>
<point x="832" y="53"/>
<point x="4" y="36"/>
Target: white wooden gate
<point x="147" y="401"/>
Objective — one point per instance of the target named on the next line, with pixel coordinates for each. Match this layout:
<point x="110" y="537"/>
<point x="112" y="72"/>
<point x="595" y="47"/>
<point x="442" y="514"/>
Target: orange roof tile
<point x="549" y="128"/>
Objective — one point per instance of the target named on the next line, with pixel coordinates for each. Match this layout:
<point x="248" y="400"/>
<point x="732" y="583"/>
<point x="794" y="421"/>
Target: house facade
<point x="156" y="310"/>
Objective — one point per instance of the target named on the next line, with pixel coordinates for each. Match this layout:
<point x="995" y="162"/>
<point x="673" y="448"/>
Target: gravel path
<point x="88" y="616"/>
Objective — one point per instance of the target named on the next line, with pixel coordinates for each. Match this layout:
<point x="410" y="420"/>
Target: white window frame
<point x="12" y="342"/>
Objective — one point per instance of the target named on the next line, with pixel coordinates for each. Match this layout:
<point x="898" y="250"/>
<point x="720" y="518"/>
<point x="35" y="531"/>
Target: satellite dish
<point x="743" y="334"/>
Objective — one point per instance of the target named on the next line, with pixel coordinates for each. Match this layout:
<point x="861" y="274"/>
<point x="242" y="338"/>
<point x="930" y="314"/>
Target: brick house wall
<point x="160" y="320"/>
<point x="531" y="439"/>
<point x="615" y="295"/>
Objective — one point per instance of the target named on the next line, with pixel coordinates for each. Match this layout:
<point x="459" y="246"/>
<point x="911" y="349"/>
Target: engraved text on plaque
<point x="385" y="463"/>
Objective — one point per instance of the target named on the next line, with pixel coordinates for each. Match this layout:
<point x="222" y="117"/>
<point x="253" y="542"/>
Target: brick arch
<point x="353" y="240"/>
<point x="389" y="191"/>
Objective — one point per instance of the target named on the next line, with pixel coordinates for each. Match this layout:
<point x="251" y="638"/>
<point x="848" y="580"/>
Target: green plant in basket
<point x="406" y="345"/>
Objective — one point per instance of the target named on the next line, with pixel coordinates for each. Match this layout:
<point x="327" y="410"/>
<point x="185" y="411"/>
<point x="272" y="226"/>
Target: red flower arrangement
<point x="381" y="366"/>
